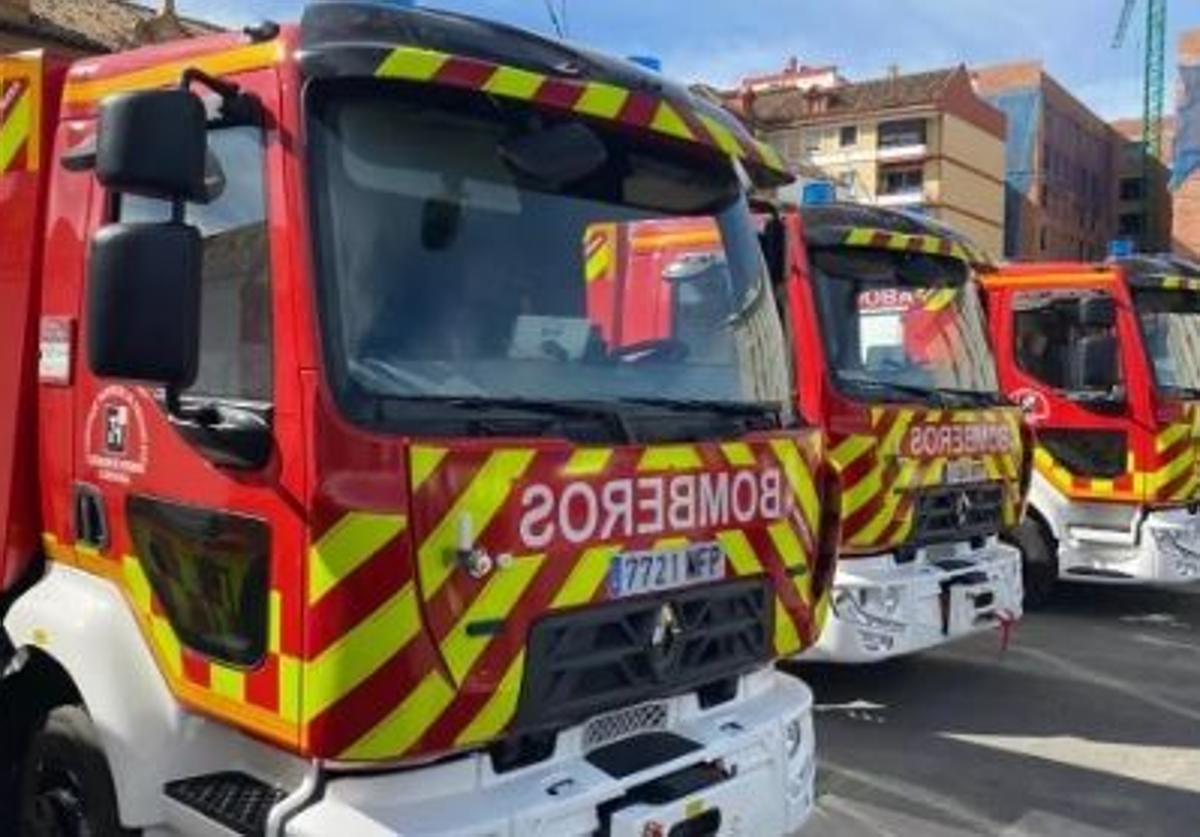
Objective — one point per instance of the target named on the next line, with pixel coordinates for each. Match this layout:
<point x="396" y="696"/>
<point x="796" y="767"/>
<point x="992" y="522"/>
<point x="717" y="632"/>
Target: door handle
<point x="91" y="517"/>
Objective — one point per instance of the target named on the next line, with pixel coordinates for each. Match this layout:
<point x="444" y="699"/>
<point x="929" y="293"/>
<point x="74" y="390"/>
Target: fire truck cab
<point x="329" y="505"/>
<point x="1105" y="361"/>
<point x="891" y="358"/>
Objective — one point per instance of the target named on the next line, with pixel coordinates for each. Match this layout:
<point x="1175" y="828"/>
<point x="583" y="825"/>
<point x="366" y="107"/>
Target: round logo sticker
<point x="116" y="443"/>
<point x="1033" y="404"/>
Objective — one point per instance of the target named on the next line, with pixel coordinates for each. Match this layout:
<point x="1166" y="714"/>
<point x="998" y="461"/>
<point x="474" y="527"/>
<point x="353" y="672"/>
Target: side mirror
<point x="1098" y="311"/>
<point x="1095" y="365"/>
<point x="143" y="304"/>
<point x="154" y="144"/>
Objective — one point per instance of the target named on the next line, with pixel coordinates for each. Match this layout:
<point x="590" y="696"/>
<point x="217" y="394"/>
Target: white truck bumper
<point x="750" y="771"/>
<point x="882" y="609"/>
<point x="1164" y="550"/>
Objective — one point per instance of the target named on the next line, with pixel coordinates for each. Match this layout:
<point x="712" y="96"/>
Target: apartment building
<point x="1143" y="202"/>
<point x="1186" y="183"/>
<point x="923" y="142"/>
<point x="1061" y="169"/>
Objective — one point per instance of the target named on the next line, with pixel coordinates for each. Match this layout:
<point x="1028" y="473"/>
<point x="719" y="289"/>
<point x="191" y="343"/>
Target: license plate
<point x="959" y="471"/>
<point x="638" y="573"/>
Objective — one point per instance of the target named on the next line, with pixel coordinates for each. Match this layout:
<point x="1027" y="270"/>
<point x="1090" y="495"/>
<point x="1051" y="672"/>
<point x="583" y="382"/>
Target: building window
<point x="907" y="181"/>
<point x="1132" y="189"/>
<point x="817" y="140"/>
<point x="1131" y="224"/>
<point x="901" y="133"/>
<point x="848" y="137"/>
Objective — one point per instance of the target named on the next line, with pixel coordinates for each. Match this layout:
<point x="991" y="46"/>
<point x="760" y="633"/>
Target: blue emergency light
<point x="819" y="193"/>
<point x="1121" y="248"/>
<point x="647" y="61"/>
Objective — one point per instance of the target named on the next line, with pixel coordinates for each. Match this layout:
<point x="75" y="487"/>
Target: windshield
<point x="469" y="250"/>
<point x="905" y="322"/>
<point x="1170" y="322"/>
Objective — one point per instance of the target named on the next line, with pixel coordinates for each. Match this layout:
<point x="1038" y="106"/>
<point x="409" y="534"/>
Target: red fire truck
<point x="1105" y="361"/>
<point x="329" y="506"/>
<point x="892" y="360"/>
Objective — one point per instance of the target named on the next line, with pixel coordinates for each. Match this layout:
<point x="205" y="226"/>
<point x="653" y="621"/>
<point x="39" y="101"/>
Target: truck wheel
<point x="1039" y="562"/>
<point x="66" y="787"/>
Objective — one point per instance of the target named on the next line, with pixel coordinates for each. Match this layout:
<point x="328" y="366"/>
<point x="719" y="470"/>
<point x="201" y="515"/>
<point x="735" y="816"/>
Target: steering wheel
<point x="660" y="351"/>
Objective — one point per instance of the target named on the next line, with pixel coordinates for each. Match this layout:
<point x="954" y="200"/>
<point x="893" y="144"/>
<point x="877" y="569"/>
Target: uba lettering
<point x="957" y="439"/>
<point x="581" y="512"/>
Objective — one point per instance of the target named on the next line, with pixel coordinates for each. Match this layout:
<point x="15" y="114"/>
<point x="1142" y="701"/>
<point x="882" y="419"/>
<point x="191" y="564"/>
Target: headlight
<point x="871" y="607"/>
<point x="794" y="737"/>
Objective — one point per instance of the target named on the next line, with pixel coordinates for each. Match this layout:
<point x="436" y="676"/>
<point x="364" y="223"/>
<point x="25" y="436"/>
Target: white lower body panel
<point x="883" y="609"/>
<point x="767" y="789"/>
<point x="1161" y="548"/>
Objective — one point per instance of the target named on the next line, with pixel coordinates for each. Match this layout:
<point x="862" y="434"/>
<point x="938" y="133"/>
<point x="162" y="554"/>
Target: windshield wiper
<point x="1180" y="391"/>
<point x="975" y="396"/>
<point x="912" y="391"/>
<point x="598" y="411"/>
<point x="724" y="408"/>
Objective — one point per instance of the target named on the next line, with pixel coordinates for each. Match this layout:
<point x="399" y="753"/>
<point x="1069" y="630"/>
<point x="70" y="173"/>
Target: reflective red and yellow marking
<point x="20" y="112"/>
<point x="1171" y="476"/>
<point x="880" y="485"/>
<point x="878" y="239"/>
<point x="637" y="109"/>
<point x="402" y="666"/>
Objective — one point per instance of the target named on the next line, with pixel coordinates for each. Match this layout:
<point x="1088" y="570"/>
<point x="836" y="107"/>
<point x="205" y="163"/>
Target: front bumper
<point x="883" y="609"/>
<point x="760" y="787"/>
<point x="1165" y="549"/>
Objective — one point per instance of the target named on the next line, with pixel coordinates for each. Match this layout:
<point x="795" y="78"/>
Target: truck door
<point x="1068" y="372"/>
<point x="206" y="546"/>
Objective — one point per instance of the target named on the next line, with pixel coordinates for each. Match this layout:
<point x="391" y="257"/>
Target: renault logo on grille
<point x="962" y="509"/>
<point x="666" y="630"/>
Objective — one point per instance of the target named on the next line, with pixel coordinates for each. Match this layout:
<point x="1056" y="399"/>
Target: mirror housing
<point x="1095" y="364"/>
<point x="153" y="143"/>
<point x="143" y="304"/>
<point x="1097" y="311"/>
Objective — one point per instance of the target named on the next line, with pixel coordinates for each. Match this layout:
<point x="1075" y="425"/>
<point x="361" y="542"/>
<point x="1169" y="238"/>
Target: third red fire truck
<point x="1105" y="360"/>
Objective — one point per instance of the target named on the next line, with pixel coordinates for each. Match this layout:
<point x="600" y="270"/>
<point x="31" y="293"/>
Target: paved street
<point x="1089" y="726"/>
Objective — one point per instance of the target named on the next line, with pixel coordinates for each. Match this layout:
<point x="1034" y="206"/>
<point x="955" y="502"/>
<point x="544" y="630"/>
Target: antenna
<point x="558" y="17"/>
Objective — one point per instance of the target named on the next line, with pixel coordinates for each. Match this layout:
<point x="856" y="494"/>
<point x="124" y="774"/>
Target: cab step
<point x="236" y="801"/>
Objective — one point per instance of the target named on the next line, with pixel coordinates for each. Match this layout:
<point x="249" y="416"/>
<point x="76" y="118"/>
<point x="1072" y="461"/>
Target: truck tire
<point x="1039" y="562"/>
<point x="66" y="787"/>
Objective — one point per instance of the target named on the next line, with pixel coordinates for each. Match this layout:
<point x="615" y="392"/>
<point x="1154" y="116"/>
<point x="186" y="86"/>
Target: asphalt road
<point x="1088" y="726"/>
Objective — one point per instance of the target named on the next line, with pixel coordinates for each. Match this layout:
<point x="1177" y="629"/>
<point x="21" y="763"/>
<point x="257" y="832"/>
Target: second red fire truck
<point x="891" y="358"/>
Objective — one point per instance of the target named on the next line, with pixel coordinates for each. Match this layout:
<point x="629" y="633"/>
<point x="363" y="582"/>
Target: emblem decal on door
<point x="116" y="442"/>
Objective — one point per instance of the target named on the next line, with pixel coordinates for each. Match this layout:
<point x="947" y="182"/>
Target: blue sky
<point x="720" y="40"/>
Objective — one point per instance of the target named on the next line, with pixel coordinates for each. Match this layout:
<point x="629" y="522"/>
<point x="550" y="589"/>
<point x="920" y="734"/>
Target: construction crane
<point x="1154" y="91"/>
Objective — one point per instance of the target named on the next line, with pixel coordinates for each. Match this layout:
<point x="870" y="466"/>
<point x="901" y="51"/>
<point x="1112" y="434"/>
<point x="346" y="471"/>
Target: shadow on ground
<point x="1089" y="725"/>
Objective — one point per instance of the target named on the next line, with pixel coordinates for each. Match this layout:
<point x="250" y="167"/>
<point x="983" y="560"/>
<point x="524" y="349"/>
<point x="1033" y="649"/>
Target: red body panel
<point x="29" y="87"/>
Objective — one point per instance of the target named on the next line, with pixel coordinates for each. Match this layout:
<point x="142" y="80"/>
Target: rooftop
<point x="948" y="88"/>
<point x="97" y="25"/>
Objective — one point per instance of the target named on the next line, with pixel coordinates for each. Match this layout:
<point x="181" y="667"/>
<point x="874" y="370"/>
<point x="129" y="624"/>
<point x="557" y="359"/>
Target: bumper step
<point x="236" y="801"/>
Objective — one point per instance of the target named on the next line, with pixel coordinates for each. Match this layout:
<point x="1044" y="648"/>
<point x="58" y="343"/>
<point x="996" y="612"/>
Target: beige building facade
<point x="920" y="142"/>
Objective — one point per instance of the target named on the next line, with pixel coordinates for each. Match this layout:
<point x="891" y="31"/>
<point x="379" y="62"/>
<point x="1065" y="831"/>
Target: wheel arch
<point x="76" y="640"/>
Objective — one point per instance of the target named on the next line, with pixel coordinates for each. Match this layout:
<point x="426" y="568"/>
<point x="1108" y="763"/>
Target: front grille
<point x="588" y="662"/>
<point x="625" y="723"/>
<point x="958" y="513"/>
